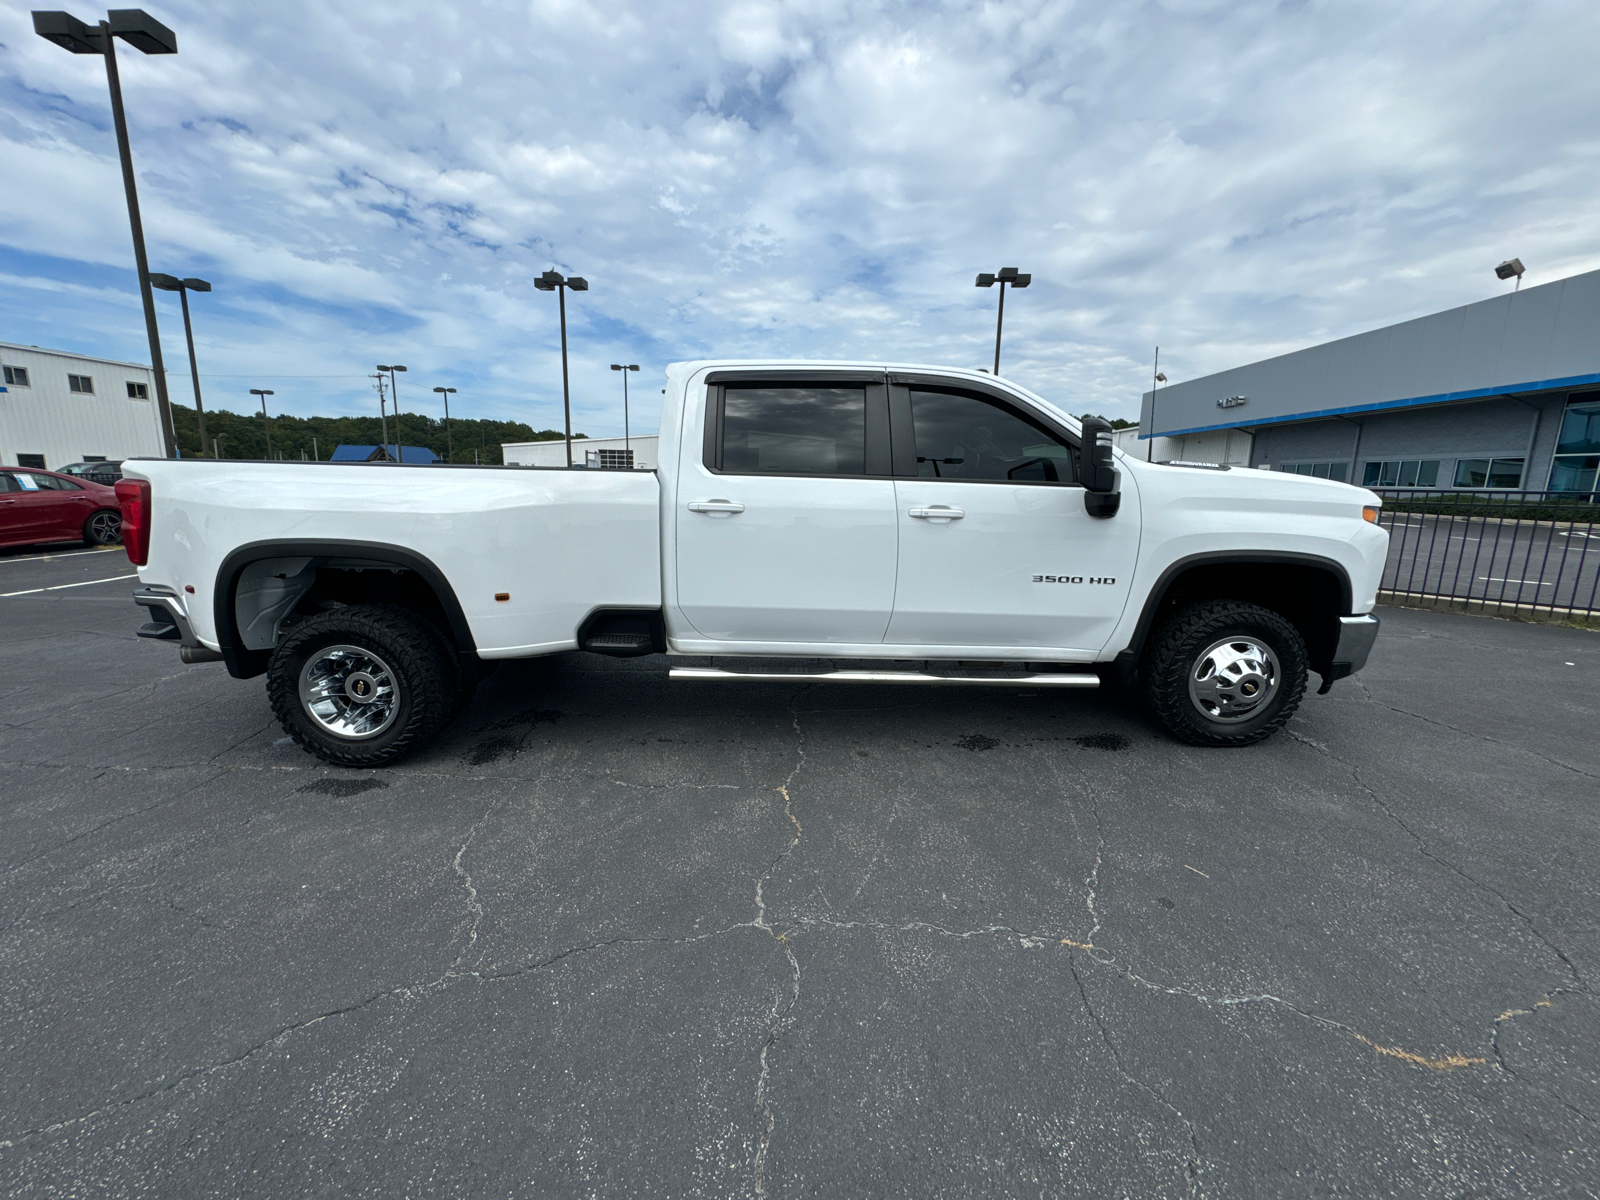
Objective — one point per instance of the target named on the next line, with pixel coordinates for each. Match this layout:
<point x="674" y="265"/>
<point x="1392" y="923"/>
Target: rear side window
<point x="7" y="483"/>
<point x="54" y="483"/>
<point x="960" y="436"/>
<point x="793" y="430"/>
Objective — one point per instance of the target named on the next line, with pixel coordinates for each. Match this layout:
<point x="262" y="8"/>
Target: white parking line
<point x="1497" y="579"/>
<point x="59" y="586"/>
<point x="63" y="554"/>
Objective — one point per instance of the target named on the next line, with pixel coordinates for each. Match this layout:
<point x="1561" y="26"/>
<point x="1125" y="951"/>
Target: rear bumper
<point x="1356" y="636"/>
<point x="169" y="622"/>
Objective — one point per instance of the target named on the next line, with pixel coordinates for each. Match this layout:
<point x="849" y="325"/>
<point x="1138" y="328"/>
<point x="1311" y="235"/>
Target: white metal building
<point x="58" y="408"/>
<point x="606" y="453"/>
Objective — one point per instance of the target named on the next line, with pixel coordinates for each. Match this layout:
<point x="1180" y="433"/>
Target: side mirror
<point x="1099" y="476"/>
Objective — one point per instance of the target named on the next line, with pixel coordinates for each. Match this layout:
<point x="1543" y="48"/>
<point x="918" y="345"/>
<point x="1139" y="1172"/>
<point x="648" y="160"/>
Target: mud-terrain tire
<point x="363" y="685"/>
<point x="1224" y="673"/>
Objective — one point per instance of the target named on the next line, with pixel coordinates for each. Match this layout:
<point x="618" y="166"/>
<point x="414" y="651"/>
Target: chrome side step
<point x="1062" y="680"/>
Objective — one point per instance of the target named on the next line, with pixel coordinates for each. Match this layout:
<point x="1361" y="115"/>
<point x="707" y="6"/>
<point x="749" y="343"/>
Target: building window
<point x="616" y="460"/>
<point x="31" y="460"/>
<point x="16" y="376"/>
<point x="138" y="391"/>
<point x="1577" y="446"/>
<point x="83" y="384"/>
<point x="1401" y="472"/>
<point x="1321" y="470"/>
<point x="1489" y="473"/>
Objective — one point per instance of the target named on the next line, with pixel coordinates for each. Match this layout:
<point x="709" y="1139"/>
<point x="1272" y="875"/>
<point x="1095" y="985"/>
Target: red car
<point x="46" y="506"/>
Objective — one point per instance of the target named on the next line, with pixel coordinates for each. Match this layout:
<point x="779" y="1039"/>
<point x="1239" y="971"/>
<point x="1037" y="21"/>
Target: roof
<point x="1546" y="337"/>
<point x="109" y="362"/>
<point x="408" y="454"/>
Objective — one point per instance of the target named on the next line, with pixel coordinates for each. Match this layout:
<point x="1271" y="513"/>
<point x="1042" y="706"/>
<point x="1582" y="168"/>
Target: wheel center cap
<point x="360" y="687"/>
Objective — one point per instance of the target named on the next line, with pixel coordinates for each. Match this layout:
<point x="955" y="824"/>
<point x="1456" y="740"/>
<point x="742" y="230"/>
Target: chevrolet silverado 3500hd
<point x="826" y="522"/>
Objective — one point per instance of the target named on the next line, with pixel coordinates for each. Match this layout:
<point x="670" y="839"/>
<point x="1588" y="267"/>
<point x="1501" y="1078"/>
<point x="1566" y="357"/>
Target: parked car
<point x="104" y="471"/>
<point x="47" y="506"/>
<point x="831" y="523"/>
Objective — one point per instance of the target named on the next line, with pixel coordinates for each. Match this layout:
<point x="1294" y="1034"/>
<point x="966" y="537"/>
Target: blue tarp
<point x="408" y="454"/>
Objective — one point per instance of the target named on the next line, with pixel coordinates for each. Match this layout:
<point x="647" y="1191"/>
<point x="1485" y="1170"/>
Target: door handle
<point x="715" y="506"/>
<point x="938" y="512"/>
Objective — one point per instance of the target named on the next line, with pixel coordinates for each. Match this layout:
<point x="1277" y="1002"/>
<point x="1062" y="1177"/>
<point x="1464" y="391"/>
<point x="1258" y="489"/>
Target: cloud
<point x="818" y="178"/>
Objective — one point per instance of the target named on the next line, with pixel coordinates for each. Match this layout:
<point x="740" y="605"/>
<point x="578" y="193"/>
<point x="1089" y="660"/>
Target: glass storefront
<point x="1577" y="459"/>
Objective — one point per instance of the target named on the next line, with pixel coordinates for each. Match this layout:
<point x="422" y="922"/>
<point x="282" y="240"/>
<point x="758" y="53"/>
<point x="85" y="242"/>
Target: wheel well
<point x="1310" y="596"/>
<point x="265" y="589"/>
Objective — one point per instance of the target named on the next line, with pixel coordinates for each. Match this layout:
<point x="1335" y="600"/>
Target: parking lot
<point x="621" y="936"/>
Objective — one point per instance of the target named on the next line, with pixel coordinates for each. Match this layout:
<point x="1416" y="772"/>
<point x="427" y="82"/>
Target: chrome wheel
<point x="350" y="692"/>
<point x="105" y="527"/>
<point x="1234" y="679"/>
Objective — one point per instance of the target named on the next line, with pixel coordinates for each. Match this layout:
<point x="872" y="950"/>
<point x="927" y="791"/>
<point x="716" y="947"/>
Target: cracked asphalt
<point x="620" y="936"/>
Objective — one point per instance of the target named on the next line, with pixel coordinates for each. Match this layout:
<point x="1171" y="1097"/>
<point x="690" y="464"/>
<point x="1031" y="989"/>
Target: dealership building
<point x="1504" y="393"/>
<point x="58" y="408"/>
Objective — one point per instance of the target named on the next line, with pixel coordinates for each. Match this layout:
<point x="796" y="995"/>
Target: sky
<point x="382" y="182"/>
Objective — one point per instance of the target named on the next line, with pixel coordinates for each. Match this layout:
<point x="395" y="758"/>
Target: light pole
<point x="265" y="422"/>
<point x="1511" y="266"/>
<point x="1004" y="276"/>
<point x="1155" y="378"/>
<point x="216" y="444"/>
<point x="552" y="281"/>
<point x="627" y="445"/>
<point x="449" y="447"/>
<point x="169" y="283"/>
<point x="143" y="32"/>
<point x="394" y="394"/>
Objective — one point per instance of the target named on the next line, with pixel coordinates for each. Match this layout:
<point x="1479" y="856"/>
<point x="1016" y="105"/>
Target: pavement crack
<point x="474" y="905"/>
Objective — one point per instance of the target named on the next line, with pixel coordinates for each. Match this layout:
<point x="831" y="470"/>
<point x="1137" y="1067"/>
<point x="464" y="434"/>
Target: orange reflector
<point x="1370" y="513"/>
<point x="502" y="595"/>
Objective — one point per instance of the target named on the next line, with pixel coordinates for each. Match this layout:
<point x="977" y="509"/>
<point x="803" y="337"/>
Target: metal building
<point x="1504" y="393"/>
<point x="607" y="453"/>
<point x="58" y="408"/>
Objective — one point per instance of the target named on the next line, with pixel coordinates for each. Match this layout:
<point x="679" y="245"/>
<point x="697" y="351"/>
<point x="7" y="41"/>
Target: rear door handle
<point x="938" y="512"/>
<point x="715" y="506"/>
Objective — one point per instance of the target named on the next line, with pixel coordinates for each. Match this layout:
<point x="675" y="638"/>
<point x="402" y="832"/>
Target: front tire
<point x="363" y="685"/>
<point x="103" y="528"/>
<point x="1225" y="673"/>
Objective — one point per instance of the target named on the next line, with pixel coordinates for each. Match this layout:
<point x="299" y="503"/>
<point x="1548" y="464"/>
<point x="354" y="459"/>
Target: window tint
<point x="1321" y="470"/>
<point x="794" y="430"/>
<point x="967" y="437"/>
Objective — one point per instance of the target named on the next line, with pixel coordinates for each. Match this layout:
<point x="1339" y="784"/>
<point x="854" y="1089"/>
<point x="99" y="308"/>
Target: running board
<point x="1061" y="680"/>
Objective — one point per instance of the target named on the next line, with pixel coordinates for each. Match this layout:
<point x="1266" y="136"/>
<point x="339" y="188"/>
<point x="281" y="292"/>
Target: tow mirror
<point x="1099" y="474"/>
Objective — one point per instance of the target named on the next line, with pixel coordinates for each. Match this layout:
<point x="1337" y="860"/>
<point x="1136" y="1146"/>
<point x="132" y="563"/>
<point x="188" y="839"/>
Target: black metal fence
<point x="1510" y="552"/>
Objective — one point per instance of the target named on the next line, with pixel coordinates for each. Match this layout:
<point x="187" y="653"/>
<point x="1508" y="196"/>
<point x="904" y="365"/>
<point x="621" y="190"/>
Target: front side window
<point x="16" y="376"/>
<point x="967" y="437"/>
<point x="83" y="384"/>
<point x="138" y="391"/>
<point x="1503" y="473"/>
<point x="794" y="430"/>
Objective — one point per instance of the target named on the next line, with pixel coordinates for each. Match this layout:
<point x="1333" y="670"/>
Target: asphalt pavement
<point x="1550" y="564"/>
<point x="620" y="936"/>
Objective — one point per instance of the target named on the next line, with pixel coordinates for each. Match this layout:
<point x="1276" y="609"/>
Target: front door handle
<point x="715" y="506"/>
<point x="938" y="512"/>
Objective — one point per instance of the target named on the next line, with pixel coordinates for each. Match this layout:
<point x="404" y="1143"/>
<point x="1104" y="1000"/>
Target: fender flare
<point x="243" y="663"/>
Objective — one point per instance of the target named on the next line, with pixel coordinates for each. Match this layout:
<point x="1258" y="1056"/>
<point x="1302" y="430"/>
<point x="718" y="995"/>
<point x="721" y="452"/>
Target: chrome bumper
<point x="1356" y="635"/>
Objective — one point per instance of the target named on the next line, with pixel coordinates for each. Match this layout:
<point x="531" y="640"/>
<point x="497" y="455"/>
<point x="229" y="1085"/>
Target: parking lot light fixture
<point x="265" y="420"/>
<point x="1003" y="276"/>
<point x="449" y="447"/>
<point x="1511" y="266"/>
<point x="149" y="36"/>
<point x="183" y="287"/>
<point x="554" y="281"/>
<point x="627" y="445"/>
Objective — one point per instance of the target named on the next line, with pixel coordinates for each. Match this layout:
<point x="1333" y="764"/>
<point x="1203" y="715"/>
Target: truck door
<point x="996" y="549"/>
<point x="786" y="528"/>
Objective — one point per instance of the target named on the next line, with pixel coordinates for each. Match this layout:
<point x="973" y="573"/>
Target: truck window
<point x="794" y="430"/>
<point x="960" y="436"/>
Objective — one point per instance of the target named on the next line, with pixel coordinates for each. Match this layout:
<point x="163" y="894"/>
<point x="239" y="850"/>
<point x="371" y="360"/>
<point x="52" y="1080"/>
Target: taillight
<point x="134" y="497"/>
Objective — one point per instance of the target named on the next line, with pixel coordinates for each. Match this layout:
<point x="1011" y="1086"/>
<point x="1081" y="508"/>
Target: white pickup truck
<point x="816" y="522"/>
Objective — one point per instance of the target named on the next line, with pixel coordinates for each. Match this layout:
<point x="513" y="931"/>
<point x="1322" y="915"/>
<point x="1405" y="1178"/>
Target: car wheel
<point x="103" y="528"/>
<point x="363" y="685"/>
<point x="1225" y="673"/>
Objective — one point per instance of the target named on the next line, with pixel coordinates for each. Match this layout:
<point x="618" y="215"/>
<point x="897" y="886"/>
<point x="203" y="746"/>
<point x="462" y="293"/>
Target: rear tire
<point x="1225" y="673"/>
<point x="103" y="528"/>
<point x="364" y="685"/>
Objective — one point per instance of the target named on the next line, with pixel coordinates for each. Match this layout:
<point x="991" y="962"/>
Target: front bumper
<point x="1356" y="635"/>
